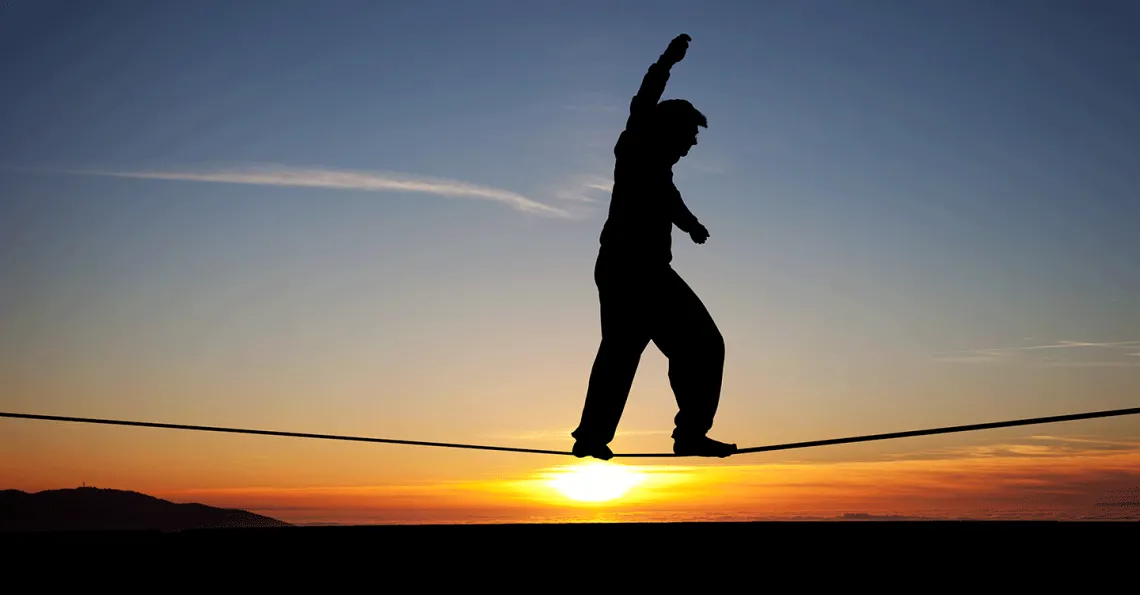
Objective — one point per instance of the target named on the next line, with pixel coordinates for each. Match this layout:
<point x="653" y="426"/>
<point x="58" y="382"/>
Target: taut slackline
<point x="769" y="448"/>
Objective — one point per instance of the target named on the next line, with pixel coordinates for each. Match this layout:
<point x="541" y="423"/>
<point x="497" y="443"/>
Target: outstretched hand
<point x="700" y="234"/>
<point x="677" y="48"/>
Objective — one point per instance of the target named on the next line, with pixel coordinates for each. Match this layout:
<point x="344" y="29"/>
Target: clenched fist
<point x="677" y="48"/>
<point x="700" y="234"/>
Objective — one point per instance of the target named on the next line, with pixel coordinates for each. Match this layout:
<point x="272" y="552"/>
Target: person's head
<point x="677" y="124"/>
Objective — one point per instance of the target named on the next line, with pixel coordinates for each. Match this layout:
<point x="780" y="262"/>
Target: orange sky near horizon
<point x="1036" y="483"/>
<point x="1050" y="472"/>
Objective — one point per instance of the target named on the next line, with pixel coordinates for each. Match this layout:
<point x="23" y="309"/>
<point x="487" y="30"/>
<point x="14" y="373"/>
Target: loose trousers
<point x="641" y="304"/>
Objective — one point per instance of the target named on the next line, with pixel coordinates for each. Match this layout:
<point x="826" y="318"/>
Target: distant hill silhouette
<point x="86" y="508"/>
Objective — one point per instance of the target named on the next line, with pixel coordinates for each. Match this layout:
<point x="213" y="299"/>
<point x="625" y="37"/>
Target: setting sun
<point x="595" y="482"/>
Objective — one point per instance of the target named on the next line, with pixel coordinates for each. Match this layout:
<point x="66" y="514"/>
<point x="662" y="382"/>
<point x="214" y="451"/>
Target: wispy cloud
<point x="588" y="189"/>
<point x="608" y="186"/>
<point x="1058" y="345"/>
<point x="1031" y="446"/>
<point x="583" y="195"/>
<point x="1064" y="344"/>
<point x="1010" y="354"/>
<point x="1093" y="364"/>
<point x="347" y="180"/>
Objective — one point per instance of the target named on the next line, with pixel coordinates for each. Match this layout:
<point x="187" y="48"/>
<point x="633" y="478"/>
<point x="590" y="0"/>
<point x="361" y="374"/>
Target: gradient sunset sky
<point x="381" y="219"/>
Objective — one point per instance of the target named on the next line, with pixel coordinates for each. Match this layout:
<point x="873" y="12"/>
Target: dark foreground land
<point x="64" y="537"/>
<point x="820" y="553"/>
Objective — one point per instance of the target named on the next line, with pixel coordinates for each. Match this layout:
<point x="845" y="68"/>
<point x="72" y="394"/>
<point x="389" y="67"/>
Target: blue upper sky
<point x="884" y="182"/>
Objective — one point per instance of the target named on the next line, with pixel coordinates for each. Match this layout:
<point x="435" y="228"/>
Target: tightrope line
<point x="769" y="448"/>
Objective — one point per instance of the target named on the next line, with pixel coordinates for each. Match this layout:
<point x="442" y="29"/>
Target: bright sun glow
<point x="595" y="482"/>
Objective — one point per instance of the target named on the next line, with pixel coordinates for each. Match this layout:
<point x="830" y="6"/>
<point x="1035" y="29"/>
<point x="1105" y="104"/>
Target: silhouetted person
<point x="642" y="298"/>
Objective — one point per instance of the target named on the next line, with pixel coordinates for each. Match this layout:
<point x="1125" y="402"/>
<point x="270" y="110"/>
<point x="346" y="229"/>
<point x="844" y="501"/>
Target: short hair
<point x="676" y="113"/>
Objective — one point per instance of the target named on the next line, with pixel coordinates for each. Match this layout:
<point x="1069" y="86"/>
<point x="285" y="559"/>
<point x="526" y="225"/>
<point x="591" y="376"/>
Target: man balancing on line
<point x="642" y="298"/>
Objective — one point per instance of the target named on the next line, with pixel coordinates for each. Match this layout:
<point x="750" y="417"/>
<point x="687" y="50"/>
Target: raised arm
<point x="653" y="84"/>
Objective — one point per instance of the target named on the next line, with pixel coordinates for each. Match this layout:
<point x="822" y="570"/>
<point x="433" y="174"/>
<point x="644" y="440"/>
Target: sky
<point x="381" y="219"/>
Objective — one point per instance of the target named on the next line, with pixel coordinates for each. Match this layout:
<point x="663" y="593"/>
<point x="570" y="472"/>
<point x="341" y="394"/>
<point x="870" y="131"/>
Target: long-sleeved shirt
<point x="644" y="204"/>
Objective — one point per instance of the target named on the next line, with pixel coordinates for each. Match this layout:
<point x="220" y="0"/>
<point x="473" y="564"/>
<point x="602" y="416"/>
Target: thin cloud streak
<point x="997" y="354"/>
<point x="1057" y="345"/>
<point x="1098" y="364"/>
<point x="348" y="180"/>
<point x="585" y="190"/>
<point x="608" y="186"/>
